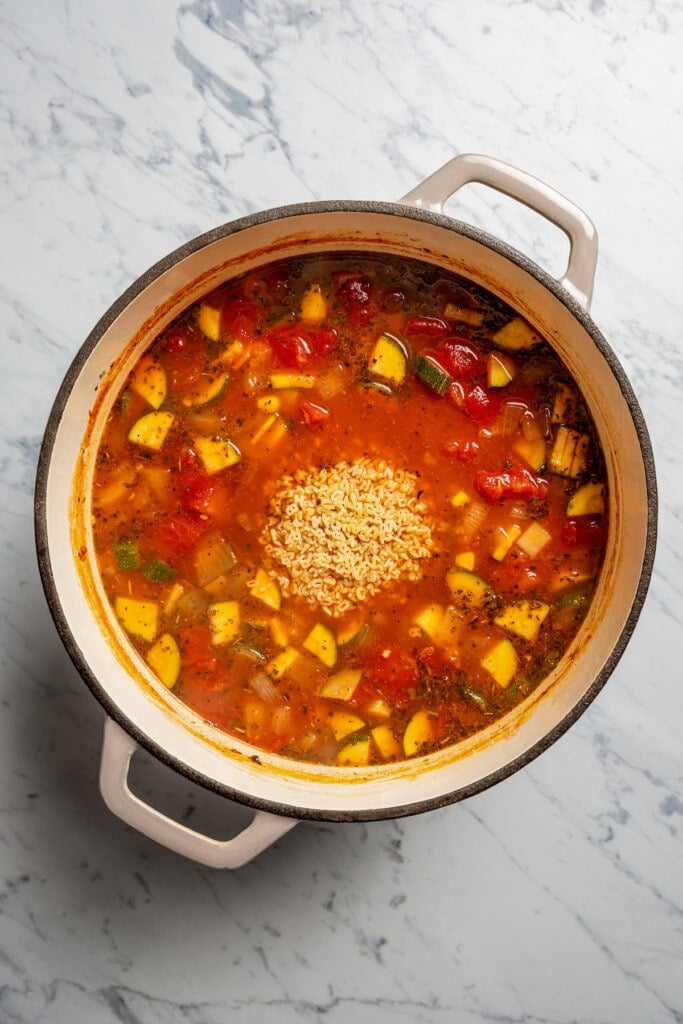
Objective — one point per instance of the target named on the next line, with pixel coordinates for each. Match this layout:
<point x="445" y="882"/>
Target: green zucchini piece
<point x="432" y="375"/>
<point x="159" y="572"/>
<point x="388" y="359"/>
<point x="126" y="555"/>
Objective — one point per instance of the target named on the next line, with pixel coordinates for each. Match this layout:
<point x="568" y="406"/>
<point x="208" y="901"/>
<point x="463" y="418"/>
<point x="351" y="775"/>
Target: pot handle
<point x="117" y="749"/>
<point x="433" y="192"/>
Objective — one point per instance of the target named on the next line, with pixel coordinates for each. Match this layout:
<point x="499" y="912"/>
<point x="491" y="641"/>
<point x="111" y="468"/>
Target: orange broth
<point x="349" y="508"/>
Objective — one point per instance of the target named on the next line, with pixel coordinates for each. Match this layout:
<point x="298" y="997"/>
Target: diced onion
<point x="280" y="720"/>
<point x="472" y="520"/>
<point x="262" y="685"/>
<point x="535" y="424"/>
<point x="508" y="419"/>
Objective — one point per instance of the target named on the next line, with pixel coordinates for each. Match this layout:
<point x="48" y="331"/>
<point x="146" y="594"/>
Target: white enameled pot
<point x="140" y="711"/>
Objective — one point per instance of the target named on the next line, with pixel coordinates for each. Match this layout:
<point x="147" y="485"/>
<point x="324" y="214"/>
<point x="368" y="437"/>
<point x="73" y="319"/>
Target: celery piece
<point x="126" y="555"/>
<point x="159" y="572"/>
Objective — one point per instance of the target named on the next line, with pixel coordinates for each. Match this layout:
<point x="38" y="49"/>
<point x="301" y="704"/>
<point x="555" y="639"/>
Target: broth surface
<point x="351" y="509"/>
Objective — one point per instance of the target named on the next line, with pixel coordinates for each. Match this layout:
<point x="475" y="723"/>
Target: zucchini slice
<point x="216" y="453"/>
<point x="208" y="391"/>
<point x="164" y="658"/>
<point x="516" y="336"/>
<point x="432" y="375"/>
<point x="151" y="429"/>
<point x="224" y="620"/>
<point x="149" y="381"/>
<point x="320" y="642"/>
<point x="501" y="663"/>
<point x="389" y="359"/>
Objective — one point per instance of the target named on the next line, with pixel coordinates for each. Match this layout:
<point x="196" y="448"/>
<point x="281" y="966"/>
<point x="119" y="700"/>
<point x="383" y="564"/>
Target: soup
<point x="349" y="509"/>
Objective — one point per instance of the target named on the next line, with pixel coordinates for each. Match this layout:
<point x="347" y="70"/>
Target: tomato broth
<point x="351" y="509"/>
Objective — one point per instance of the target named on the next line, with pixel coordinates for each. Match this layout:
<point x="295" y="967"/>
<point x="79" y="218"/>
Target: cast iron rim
<point x="51" y="590"/>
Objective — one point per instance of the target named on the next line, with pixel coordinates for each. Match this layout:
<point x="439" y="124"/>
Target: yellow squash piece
<point x="516" y="336"/>
<point x="533" y="452"/>
<point x="270" y="431"/>
<point x="460" y="499"/>
<point x="506" y="537"/>
<point x="343" y="723"/>
<point x="209" y="321"/>
<point x="164" y="658"/>
<point x="466" y="588"/>
<point x="388" y="359"/>
<point x="500" y="369"/>
<point x="282" y="662"/>
<point x="342" y="685"/>
<point x="350" y="631"/>
<point x="430" y="621"/>
<point x="589" y="500"/>
<point x="465" y="314"/>
<point x="216" y="453"/>
<point x="569" y="453"/>
<point x="210" y="388"/>
<point x="268" y="403"/>
<point x="281" y="381"/>
<point x="524" y="618"/>
<point x="378" y="708"/>
<point x="564" y="405"/>
<point x="465" y="560"/>
<point x="313" y="305"/>
<point x="235" y="354"/>
<point x="151" y="429"/>
<point x="385" y="741"/>
<point x="419" y="733"/>
<point x="501" y="663"/>
<point x="320" y="642"/>
<point x="278" y="632"/>
<point x="355" y="754"/>
<point x="224" y="620"/>
<point x="149" y="381"/>
<point x="139" y="618"/>
<point x="264" y="588"/>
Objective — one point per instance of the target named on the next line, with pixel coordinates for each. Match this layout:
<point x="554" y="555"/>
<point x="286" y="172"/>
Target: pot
<point x="140" y="711"/>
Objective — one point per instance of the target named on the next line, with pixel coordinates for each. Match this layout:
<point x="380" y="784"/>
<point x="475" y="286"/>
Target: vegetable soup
<point x="351" y="509"/>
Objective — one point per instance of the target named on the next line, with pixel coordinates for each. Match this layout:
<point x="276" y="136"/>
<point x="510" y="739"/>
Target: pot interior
<point x="120" y="679"/>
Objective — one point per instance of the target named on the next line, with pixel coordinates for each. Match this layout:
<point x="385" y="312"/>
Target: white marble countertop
<point x="127" y="129"/>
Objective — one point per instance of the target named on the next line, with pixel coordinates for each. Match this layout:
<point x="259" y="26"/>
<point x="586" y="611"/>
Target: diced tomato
<point x="298" y="347"/>
<point x="584" y="531"/>
<point x="177" y="338"/>
<point x="480" y="405"/>
<point x="184" y="359"/>
<point x="464" y="451"/>
<point x="240" y="318"/>
<point x="355" y="296"/>
<point x="395" y="674"/>
<point x="313" y="415"/>
<point x="175" y="535"/>
<point x="515" y="573"/>
<point x="290" y="346"/>
<point x="322" y="340"/>
<point x="197" y="650"/>
<point x="511" y="483"/>
<point x="196" y="491"/>
<point x="426" y="326"/>
<point x="460" y="358"/>
<point x="192" y="485"/>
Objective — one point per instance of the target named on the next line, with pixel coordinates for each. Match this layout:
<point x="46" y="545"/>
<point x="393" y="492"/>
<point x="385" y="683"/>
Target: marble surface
<point x="128" y="128"/>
